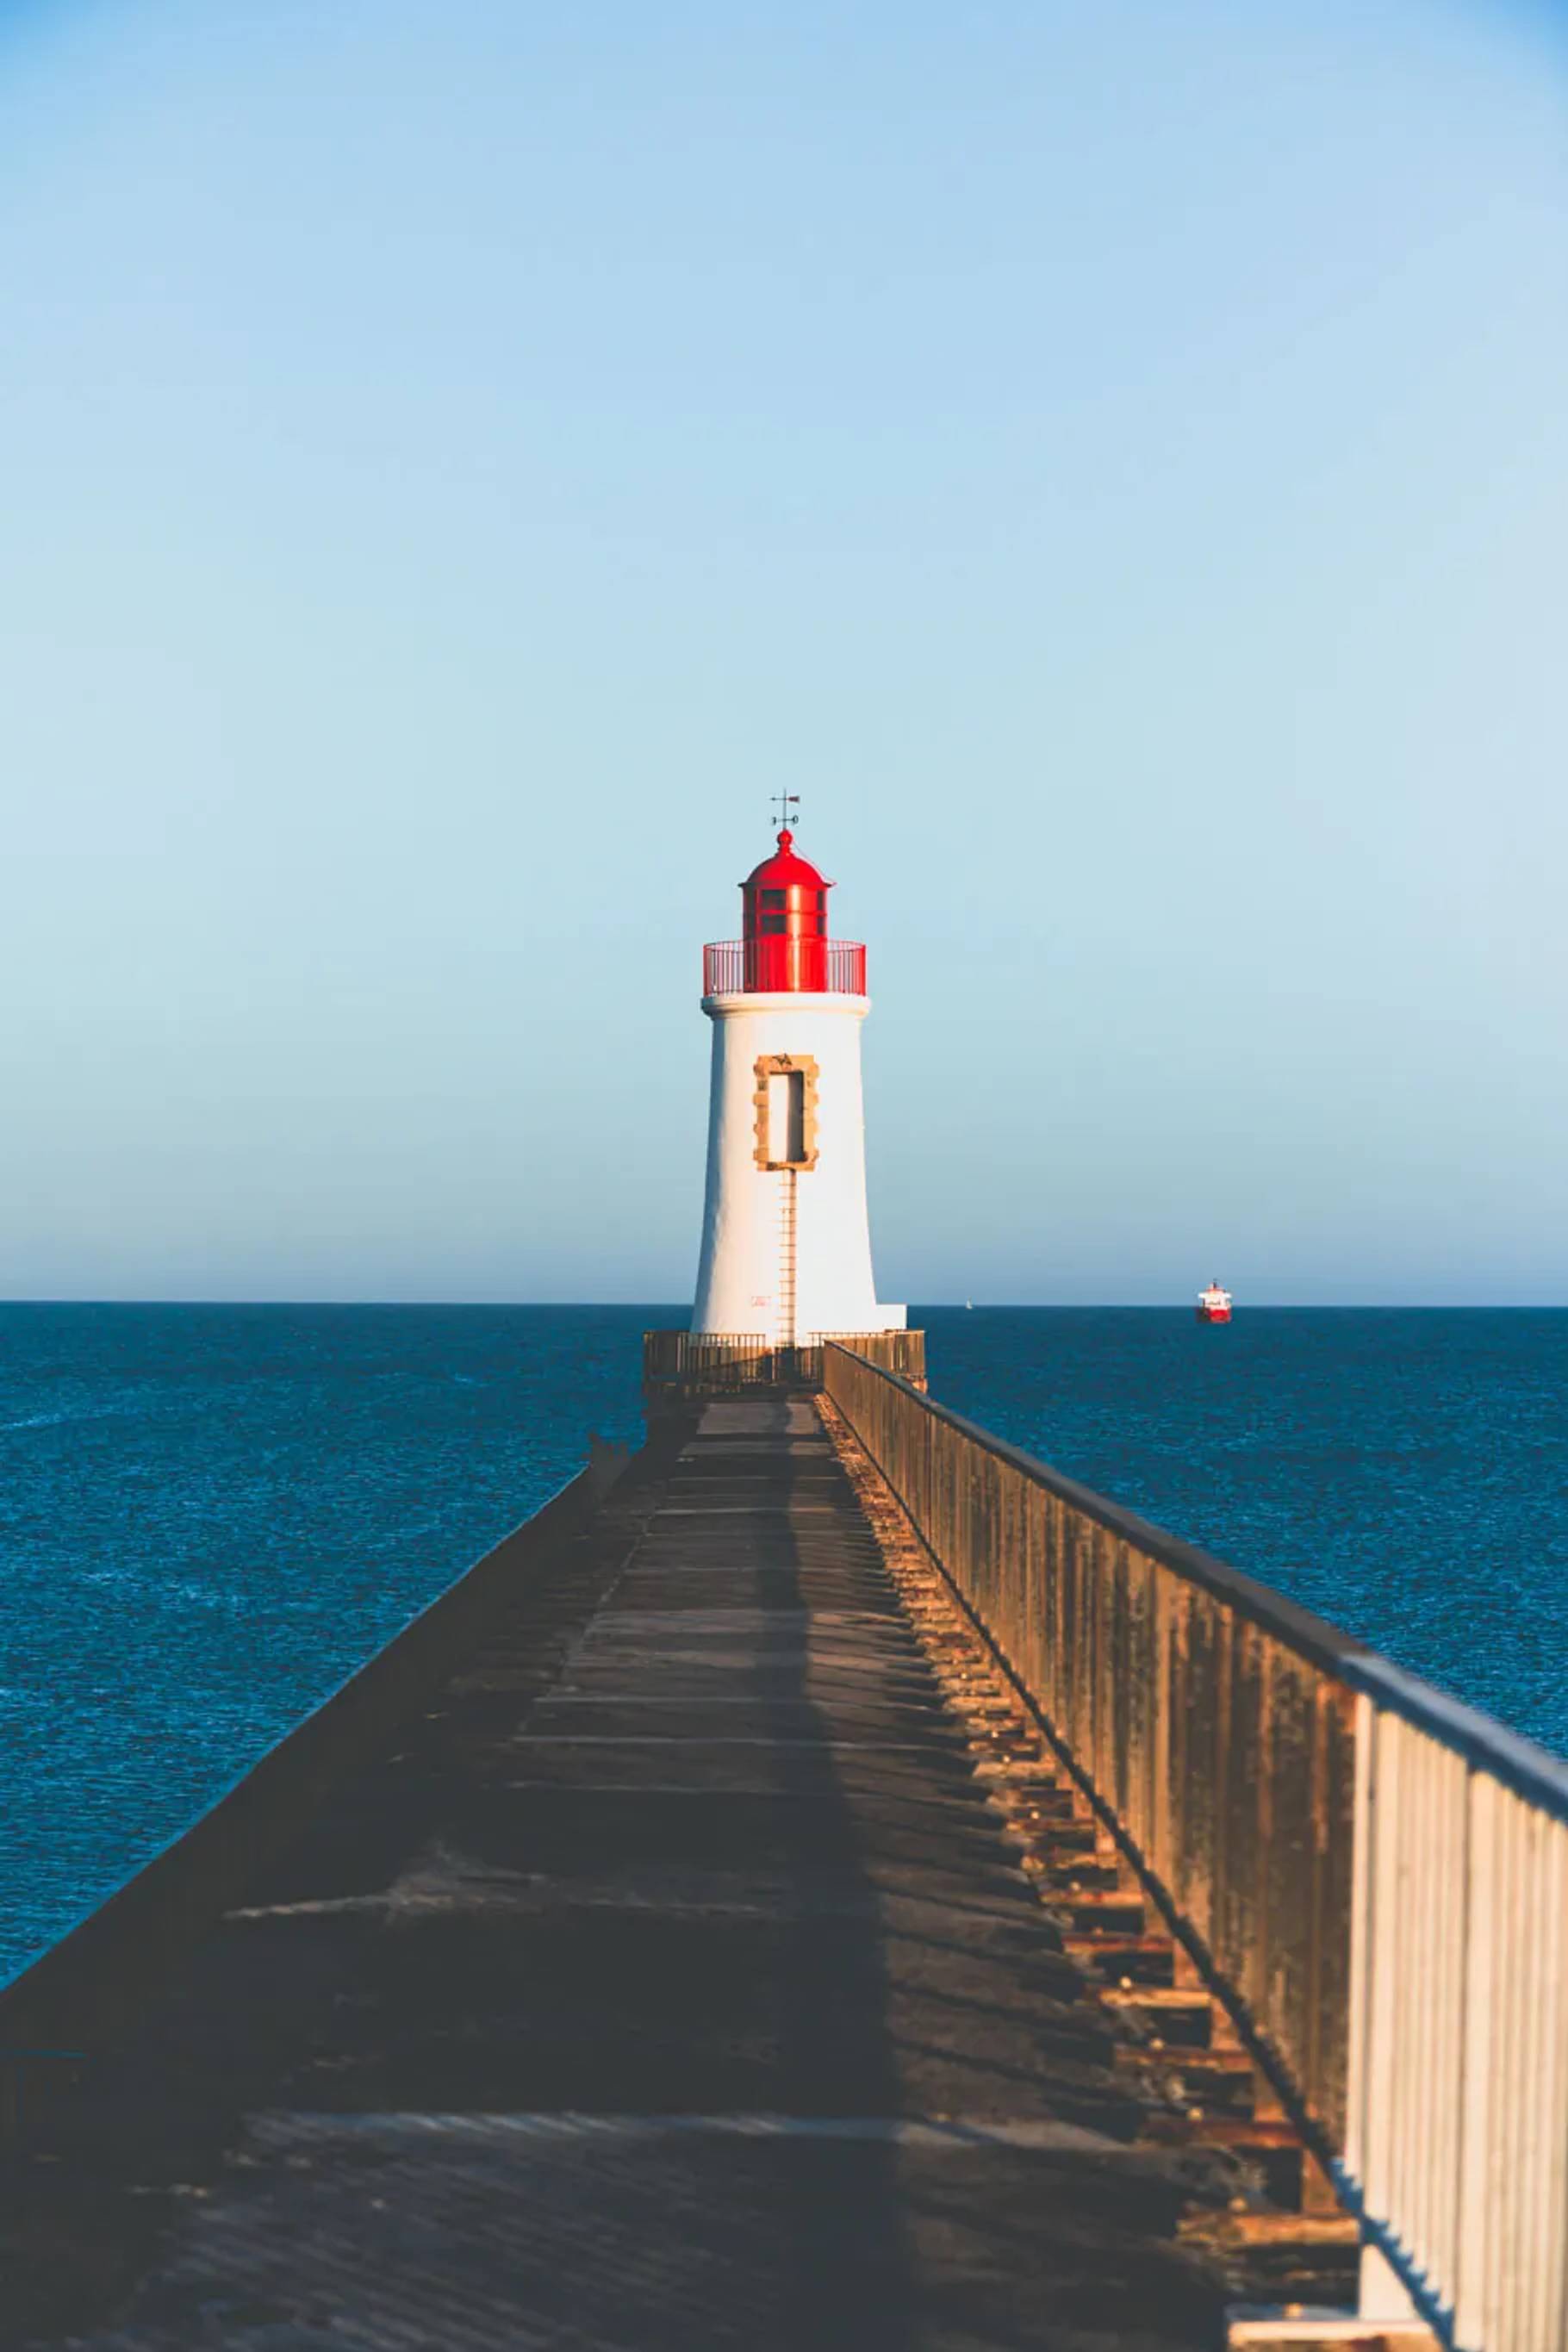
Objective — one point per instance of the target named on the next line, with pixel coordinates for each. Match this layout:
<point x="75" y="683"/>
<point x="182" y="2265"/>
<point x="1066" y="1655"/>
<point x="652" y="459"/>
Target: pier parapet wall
<point x="106" y="1969"/>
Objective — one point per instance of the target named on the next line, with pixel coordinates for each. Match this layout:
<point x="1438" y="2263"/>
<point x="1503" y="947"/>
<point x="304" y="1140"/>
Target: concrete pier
<point x="668" y="1981"/>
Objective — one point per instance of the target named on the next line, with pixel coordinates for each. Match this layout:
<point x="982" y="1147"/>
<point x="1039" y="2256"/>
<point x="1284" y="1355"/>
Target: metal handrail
<point x="743" y="967"/>
<point x="694" y="1363"/>
<point x="1372" y="1876"/>
<point x="1523" y="1765"/>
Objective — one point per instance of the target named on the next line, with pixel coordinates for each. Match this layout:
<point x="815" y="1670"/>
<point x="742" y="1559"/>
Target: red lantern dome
<point x="785" y="947"/>
<point x="785" y="922"/>
<point x="785" y="870"/>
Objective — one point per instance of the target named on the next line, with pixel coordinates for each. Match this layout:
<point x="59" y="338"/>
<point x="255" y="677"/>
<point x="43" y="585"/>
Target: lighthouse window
<point x="772" y="897"/>
<point x="786" y="1118"/>
<point x="773" y="922"/>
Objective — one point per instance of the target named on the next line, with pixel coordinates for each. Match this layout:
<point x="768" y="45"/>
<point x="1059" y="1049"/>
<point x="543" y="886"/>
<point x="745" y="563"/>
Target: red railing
<point x="797" y="966"/>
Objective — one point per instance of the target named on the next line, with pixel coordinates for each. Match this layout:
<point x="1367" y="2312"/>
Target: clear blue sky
<point x="459" y="459"/>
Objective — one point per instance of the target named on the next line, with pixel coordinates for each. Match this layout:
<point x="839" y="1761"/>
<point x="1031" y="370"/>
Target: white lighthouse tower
<point x="786" y="1246"/>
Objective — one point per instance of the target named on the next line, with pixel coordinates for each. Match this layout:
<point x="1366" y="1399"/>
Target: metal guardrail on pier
<point x="726" y="1363"/>
<point x="707" y="1363"/>
<point x="1373" y="1877"/>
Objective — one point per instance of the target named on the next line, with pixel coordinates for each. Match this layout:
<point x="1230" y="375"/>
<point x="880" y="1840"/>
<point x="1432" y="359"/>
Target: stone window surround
<point x="775" y="1065"/>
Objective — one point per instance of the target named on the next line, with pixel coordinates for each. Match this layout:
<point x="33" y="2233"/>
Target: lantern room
<point x="785" y="922"/>
<point x="785" y="950"/>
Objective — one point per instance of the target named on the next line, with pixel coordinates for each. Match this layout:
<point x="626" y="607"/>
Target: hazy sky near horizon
<point x="459" y="460"/>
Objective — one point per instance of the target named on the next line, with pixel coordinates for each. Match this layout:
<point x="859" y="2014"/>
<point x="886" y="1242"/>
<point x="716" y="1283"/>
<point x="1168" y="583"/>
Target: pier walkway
<point x="672" y="1983"/>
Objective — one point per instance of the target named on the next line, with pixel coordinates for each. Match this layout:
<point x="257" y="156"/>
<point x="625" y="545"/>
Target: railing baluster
<point x="746" y="967"/>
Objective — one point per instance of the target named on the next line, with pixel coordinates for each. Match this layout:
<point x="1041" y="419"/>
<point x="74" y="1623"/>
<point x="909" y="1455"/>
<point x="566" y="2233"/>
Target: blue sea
<point x="210" y="1515"/>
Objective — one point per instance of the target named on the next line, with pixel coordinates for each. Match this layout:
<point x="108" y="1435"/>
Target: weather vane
<point x="783" y="802"/>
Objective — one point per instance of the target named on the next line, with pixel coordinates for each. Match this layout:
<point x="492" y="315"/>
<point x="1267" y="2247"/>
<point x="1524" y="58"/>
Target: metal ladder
<point x="787" y="1337"/>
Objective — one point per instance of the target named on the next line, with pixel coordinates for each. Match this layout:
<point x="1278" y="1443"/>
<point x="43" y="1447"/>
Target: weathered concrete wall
<point x="83" y="1987"/>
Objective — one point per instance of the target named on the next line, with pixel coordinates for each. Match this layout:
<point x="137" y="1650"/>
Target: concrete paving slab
<point x="656" y="2234"/>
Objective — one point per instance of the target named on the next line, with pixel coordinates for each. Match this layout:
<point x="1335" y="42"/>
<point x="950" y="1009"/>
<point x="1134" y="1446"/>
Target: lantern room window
<point x="786" y="1118"/>
<point x="772" y="898"/>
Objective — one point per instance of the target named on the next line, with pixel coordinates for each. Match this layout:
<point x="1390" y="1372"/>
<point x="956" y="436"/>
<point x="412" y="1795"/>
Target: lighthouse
<point x="786" y="1243"/>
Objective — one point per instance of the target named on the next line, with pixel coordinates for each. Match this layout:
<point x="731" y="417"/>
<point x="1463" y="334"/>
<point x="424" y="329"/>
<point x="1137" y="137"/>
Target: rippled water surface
<point x="1403" y="1472"/>
<point x="209" y="1516"/>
